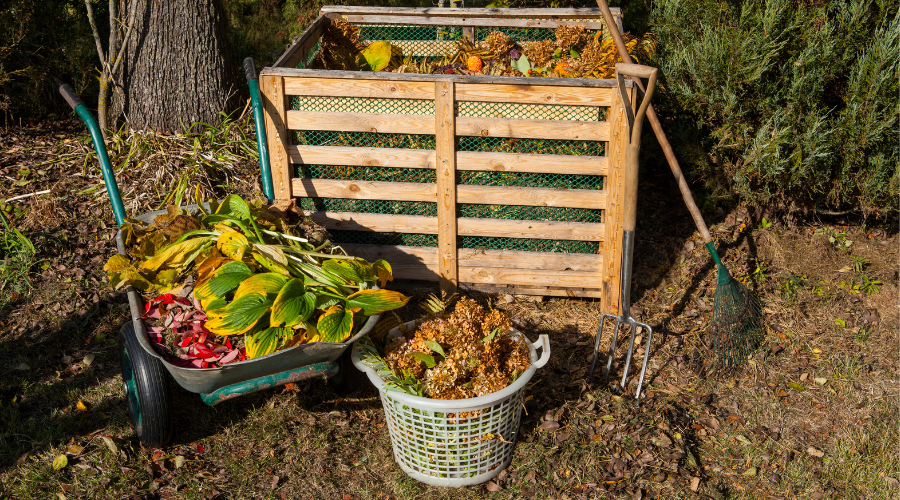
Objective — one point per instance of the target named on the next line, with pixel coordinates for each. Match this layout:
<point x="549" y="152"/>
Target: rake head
<point x="737" y="324"/>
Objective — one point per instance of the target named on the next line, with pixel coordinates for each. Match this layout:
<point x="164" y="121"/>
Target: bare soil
<point x="813" y="414"/>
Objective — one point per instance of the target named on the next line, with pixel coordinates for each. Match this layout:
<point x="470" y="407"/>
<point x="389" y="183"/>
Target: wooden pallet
<point x="539" y="273"/>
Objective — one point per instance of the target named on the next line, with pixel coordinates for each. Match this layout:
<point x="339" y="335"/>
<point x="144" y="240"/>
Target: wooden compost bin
<point x="498" y="184"/>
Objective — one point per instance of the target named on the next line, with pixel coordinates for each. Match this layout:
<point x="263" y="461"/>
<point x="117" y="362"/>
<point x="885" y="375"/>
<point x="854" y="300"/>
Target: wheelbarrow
<point x="145" y="373"/>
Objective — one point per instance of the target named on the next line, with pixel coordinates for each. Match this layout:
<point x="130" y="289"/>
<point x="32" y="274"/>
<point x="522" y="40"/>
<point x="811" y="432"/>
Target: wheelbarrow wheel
<point x="146" y="386"/>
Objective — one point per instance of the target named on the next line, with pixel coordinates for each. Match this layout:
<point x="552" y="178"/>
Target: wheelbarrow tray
<point x="208" y="380"/>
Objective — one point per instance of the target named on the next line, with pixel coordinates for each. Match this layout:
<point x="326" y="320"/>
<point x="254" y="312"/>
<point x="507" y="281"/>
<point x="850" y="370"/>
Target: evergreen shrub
<point x="785" y="102"/>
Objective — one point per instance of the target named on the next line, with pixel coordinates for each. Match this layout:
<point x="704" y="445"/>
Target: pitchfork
<point x="630" y="215"/>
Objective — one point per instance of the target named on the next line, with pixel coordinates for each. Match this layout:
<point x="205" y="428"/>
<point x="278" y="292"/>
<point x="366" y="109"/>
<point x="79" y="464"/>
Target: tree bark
<point x="178" y="67"/>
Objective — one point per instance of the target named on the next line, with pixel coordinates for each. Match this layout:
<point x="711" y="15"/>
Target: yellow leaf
<point x="174" y="255"/>
<point x="60" y="462"/>
<point x="233" y="244"/>
<point x="117" y="263"/>
<point x="80" y="406"/>
<point x="268" y="284"/>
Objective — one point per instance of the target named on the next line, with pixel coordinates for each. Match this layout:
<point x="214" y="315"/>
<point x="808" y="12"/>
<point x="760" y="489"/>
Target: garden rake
<point x="629" y="221"/>
<point x="737" y="314"/>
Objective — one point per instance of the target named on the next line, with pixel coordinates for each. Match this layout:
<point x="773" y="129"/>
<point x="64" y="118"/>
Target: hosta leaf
<point x="268" y="284"/>
<point x="293" y="305"/>
<point x="233" y="245"/>
<point x="377" y="301"/>
<point x="272" y="253"/>
<point x="163" y="280"/>
<point x="175" y="255"/>
<point x="326" y="301"/>
<point x="240" y="315"/>
<point x="335" y="324"/>
<point x="270" y="264"/>
<point x="206" y="268"/>
<point x="234" y="205"/>
<point x="383" y="270"/>
<point x="352" y="270"/>
<point x="131" y="277"/>
<point x="117" y="263"/>
<point x="223" y="280"/>
<point x="376" y="56"/>
<point x="267" y="341"/>
<point x="211" y="305"/>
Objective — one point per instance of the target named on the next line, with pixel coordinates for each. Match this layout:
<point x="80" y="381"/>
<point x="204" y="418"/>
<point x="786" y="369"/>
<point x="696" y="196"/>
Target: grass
<point x="16" y="258"/>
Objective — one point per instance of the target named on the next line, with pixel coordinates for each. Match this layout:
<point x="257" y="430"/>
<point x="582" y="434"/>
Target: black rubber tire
<point x="146" y="385"/>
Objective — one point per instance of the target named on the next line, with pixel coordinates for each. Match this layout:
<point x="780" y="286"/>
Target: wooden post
<point x="445" y="151"/>
<point x="275" y="104"/>
<point x="469" y="33"/>
<point x="615" y="188"/>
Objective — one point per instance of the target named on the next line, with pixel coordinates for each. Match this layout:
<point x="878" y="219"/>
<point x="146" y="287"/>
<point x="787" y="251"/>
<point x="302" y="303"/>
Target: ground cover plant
<point x="811" y="415"/>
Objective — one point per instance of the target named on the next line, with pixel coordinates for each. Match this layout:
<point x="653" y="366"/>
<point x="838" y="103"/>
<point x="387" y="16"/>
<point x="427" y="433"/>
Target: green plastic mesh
<point x="433" y="41"/>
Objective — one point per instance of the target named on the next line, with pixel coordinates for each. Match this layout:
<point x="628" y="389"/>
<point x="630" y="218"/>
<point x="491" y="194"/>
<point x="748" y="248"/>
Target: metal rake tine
<point x="597" y="343"/>
<point x="630" y="351"/>
<point x="646" y="357"/>
<point x="612" y="350"/>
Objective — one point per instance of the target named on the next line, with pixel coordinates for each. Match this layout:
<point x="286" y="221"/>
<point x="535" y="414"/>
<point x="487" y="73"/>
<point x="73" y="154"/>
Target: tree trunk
<point x="178" y="68"/>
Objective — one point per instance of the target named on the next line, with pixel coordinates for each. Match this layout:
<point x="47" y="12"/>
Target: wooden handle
<point x="658" y="130"/>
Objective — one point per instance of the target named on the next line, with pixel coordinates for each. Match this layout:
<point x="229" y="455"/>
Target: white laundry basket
<point x="456" y="442"/>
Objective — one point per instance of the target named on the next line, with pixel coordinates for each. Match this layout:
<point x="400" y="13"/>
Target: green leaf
<point x="234" y="205"/>
<point x="523" y="65"/>
<point x="377" y="301"/>
<point x="574" y="54"/>
<point x="383" y="270"/>
<point x="270" y="264"/>
<point x="293" y="305"/>
<point x="326" y="301"/>
<point x="423" y="358"/>
<point x="435" y="347"/>
<point x="335" y="324"/>
<point x="376" y="56"/>
<point x="60" y="462"/>
<point x="490" y="337"/>
<point x="239" y="316"/>
<point x="268" y="284"/>
<point x="174" y="255"/>
<point x="266" y="341"/>
<point x="223" y="280"/>
<point x="353" y="270"/>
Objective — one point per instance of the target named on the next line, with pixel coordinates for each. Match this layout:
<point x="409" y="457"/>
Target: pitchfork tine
<point x="612" y="351"/>
<point x="597" y="344"/>
<point x="630" y="352"/>
<point x="646" y="357"/>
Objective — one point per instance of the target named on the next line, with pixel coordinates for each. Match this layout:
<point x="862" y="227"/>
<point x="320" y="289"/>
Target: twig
<point x="29" y="195"/>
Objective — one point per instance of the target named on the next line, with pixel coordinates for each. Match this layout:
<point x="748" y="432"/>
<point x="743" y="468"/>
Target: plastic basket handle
<point x="543" y="343"/>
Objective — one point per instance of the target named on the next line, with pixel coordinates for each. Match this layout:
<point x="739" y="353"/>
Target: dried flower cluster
<point x="498" y="43"/>
<point x="480" y="356"/>
<point x="539" y="52"/>
<point x="570" y="37"/>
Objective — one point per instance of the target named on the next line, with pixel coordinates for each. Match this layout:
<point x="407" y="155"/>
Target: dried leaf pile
<point x="574" y="53"/>
<point x="244" y="269"/>
<point x="466" y="354"/>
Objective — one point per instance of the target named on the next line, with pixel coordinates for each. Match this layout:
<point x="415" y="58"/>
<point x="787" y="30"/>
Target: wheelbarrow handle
<point x="109" y="175"/>
<point x="250" y="69"/>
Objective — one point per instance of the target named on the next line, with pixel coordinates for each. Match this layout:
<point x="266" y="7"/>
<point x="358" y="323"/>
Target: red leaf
<point x="186" y="342"/>
<point x="200" y="449"/>
<point x="203" y="351"/>
<point x="228" y="343"/>
<point x="228" y="358"/>
<point x="167" y="298"/>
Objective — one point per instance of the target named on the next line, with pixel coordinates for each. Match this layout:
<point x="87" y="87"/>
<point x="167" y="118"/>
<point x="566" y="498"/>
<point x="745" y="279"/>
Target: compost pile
<point x="465" y="354"/>
<point x="243" y="280"/>
<point x="575" y="53"/>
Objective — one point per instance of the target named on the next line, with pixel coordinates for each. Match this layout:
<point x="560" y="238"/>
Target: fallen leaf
<point x="179" y="461"/>
<point x="743" y="439"/>
<point x="80" y="406"/>
<point x="89" y="358"/>
<point x="22" y="368"/>
<point x="67" y="359"/>
<point x="74" y="449"/>
<point x="61" y="496"/>
<point x="797" y="387"/>
<point x="110" y="444"/>
<point x="608" y="418"/>
<point x="493" y="487"/>
<point x="750" y="472"/>
<point x="695" y="484"/>
<point x="60" y="462"/>
<point x="891" y="481"/>
<point x="815" y="452"/>
<point x="550" y="425"/>
<point x="804" y="376"/>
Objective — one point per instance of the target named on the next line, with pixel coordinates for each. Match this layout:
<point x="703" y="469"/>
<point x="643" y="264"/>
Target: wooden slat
<point x="359" y="88"/>
<point x="549" y="13"/>
<point x="300" y="49"/>
<point x="530" y="129"/>
<point x="418" y="224"/>
<point x="612" y="249"/>
<point x="465" y="160"/>
<point x="417" y="77"/>
<point x="471" y="21"/>
<point x="485" y="195"/>
<point x="470" y="257"/>
<point x="532" y="290"/>
<point x="445" y="162"/>
<point x="276" y="134"/>
<point x="360" y="122"/>
<point x="535" y="94"/>
<point x="364" y="190"/>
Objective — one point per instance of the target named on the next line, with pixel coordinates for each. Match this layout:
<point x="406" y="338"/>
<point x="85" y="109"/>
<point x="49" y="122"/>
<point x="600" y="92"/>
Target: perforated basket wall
<point x="457" y="447"/>
<point x="362" y="149"/>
